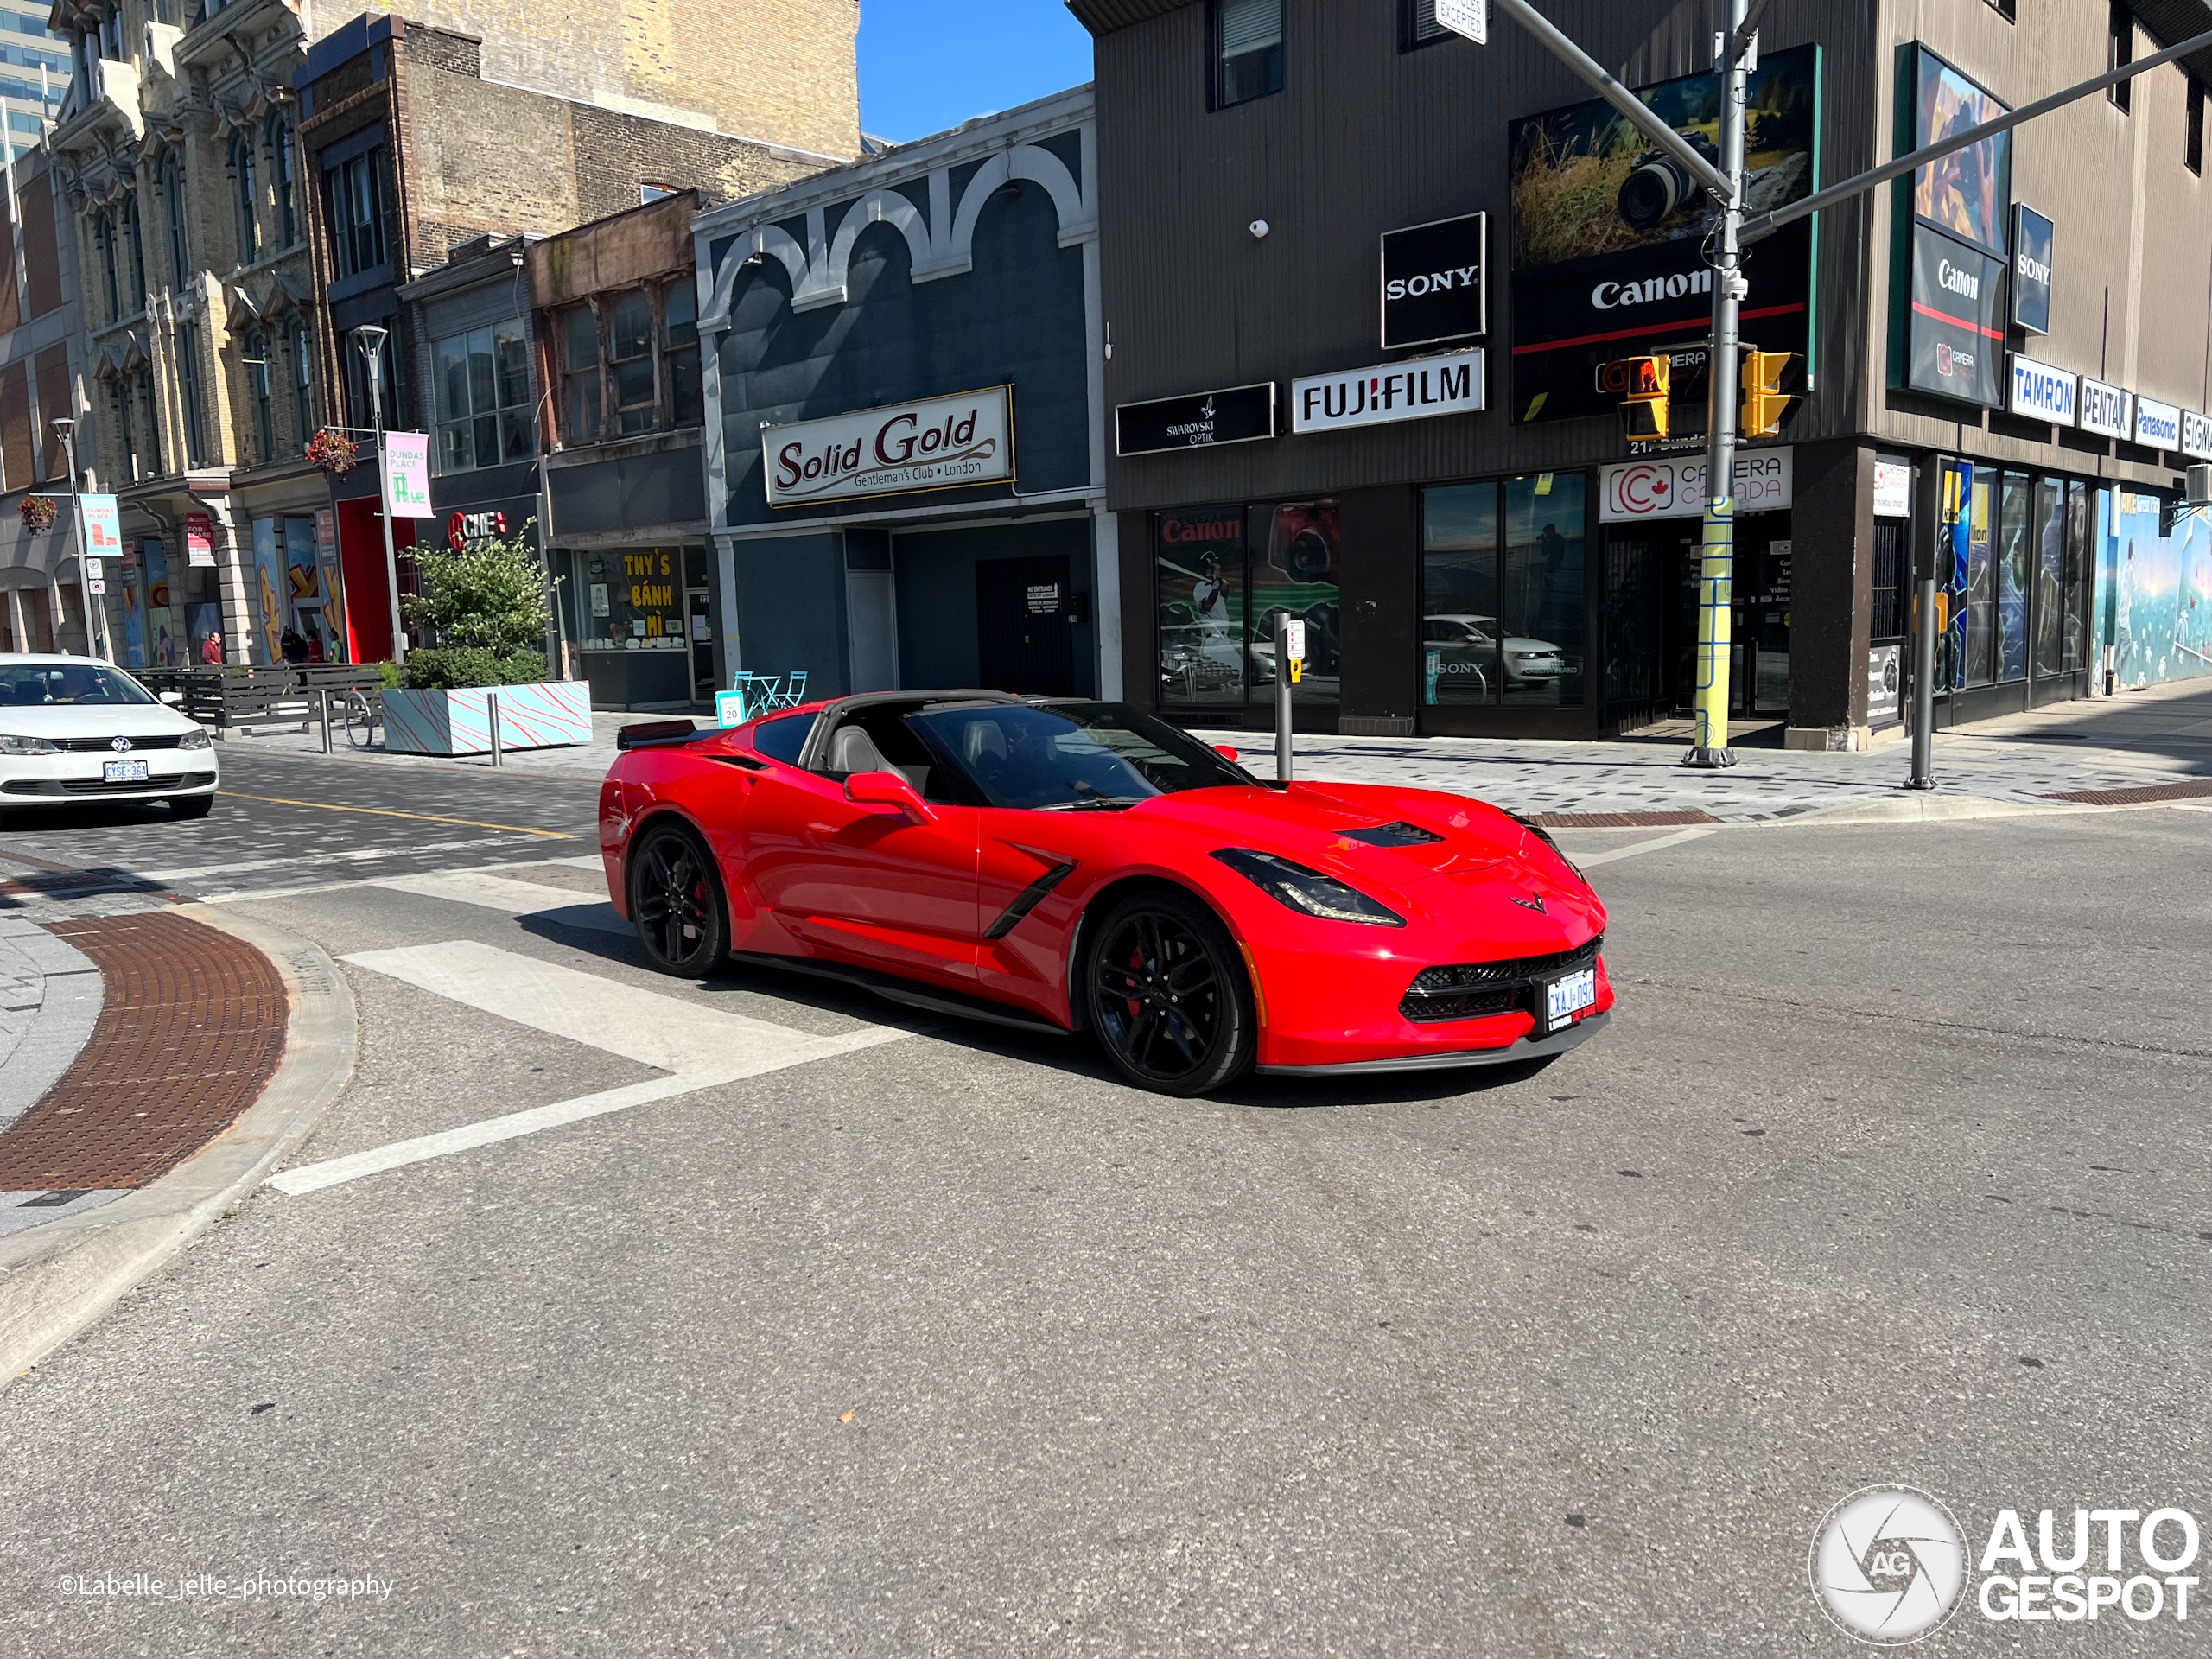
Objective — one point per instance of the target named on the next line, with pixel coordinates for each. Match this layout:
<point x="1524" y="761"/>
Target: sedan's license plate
<point x="1565" y="998"/>
<point x="123" y="772"/>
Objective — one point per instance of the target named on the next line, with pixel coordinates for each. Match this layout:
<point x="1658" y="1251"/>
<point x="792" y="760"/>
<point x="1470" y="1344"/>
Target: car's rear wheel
<point x="1168" y="996"/>
<point x="192" y="806"/>
<point x="675" y="900"/>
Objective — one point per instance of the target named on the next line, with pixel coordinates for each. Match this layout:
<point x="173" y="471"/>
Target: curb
<point x="55" y="1281"/>
<point x="1929" y="809"/>
<point x="69" y="1008"/>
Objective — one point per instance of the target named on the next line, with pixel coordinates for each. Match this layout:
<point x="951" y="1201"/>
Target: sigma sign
<point x="2196" y="436"/>
<point x="942" y="443"/>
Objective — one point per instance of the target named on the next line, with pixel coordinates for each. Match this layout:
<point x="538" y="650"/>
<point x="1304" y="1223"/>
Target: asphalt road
<point x="1891" y="1169"/>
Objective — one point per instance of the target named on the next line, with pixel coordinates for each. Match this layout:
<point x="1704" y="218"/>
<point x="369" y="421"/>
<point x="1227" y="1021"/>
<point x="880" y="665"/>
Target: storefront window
<point x="2049" y="527"/>
<point x="2074" y="641"/>
<point x="632" y="599"/>
<point x="1501" y="612"/>
<point x="1198" y="564"/>
<point x="2013" y="542"/>
<point x="630" y="361"/>
<point x="1980" y="596"/>
<point x="580" y="400"/>
<point x="1297" y="574"/>
<point x="483" y="397"/>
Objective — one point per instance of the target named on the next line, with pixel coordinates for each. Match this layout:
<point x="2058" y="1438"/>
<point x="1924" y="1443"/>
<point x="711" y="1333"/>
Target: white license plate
<point x="123" y="772"/>
<point x="1565" y="998"/>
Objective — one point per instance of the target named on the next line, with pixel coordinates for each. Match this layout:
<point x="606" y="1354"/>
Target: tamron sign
<point x="1432" y="281"/>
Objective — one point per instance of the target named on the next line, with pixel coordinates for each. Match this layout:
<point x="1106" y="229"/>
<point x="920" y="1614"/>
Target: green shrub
<point x="388" y="676"/>
<point x="491" y="594"/>
<point x="449" y="668"/>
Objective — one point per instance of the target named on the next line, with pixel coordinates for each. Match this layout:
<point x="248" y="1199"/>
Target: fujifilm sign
<point x="1409" y="390"/>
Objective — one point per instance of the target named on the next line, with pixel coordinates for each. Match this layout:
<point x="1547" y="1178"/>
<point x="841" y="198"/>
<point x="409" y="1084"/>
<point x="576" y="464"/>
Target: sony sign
<point x="2032" y="235"/>
<point x="2158" y="426"/>
<point x="941" y="443"/>
<point x="1432" y="281"/>
<point x="2041" y="392"/>
<point x="1409" y="390"/>
<point x="2104" y="410"/>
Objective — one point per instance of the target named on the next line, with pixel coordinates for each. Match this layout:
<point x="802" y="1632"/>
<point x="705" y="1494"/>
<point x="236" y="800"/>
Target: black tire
<point x="675" y="902"/>
<point x="1165" y="989"/>
<point x="192" y="806"/>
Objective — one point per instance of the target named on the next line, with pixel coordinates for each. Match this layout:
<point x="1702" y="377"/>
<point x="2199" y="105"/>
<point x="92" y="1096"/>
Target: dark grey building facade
<point x="1448" y="498"/>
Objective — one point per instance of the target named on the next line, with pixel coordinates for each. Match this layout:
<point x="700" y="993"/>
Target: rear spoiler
<point x="646" y="734"/>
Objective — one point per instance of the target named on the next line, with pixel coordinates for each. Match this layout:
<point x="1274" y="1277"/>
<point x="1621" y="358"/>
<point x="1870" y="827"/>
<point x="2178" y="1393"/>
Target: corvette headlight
<point x="193" y="739"/>
<point x="11" y="744"/>
<point x="1309" y="891"/>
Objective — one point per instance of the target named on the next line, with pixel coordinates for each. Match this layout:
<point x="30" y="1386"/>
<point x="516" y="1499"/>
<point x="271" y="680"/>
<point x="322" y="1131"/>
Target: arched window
<point x="249" y="225"/>
<point x="136" y="267"/>
<point x="302" y="382"/>
<point x="103" y="237"/>
<point x="277" y="140"/>
<point x="257" y="381"/>
<point x="173" y="211"/>
<point x="118" y="402"/>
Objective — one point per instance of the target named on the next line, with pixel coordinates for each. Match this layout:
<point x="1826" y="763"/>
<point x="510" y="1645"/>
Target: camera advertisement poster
<point x="1608" y="232"/>
<point x="1953" y="321"/>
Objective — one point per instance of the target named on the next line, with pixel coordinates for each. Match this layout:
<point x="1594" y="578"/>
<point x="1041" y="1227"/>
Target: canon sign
<point x="1610" y="296"/>
<point x="943" y="443"/>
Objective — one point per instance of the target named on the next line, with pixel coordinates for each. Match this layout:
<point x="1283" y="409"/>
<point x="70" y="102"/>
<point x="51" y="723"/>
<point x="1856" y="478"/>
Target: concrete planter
<point x="547" y="715"/>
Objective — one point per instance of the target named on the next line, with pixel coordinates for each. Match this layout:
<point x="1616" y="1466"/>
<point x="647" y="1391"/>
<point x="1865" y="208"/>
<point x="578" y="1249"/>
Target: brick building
<point x="245" y="182"/>
<point x="42" y="372"/>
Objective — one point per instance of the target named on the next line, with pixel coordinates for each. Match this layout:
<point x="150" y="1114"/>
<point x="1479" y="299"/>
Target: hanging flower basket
<point x="331" y="451"/>
<point x="38" y="512"/>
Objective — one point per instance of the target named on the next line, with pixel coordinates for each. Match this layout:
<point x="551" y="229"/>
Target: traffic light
<point x="1764" y="401"/>
<point x="1643" y="380"/>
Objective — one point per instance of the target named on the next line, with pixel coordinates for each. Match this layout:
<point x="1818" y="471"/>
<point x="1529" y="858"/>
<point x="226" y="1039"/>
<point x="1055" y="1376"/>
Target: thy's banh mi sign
<point x="941" y="443"/>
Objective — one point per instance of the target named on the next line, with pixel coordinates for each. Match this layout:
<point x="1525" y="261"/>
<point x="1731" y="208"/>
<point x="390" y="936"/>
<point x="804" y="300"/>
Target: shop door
<point x="702" y="632"/>
<point x="1025" y="638"/>
<point x="1635" y="632"/>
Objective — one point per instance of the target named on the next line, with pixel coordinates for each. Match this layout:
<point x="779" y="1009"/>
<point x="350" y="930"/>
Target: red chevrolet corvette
<point x="1068" y="866"/>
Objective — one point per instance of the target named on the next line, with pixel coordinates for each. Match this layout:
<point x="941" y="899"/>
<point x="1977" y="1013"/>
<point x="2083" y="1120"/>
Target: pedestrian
<point x="294" y="648"/>
<point x="212" y="652"/>
<point x="315" y="643"/>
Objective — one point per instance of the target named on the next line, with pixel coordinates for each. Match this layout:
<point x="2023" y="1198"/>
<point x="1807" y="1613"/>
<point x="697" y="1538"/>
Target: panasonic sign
<point x="2158" y="426"/>
<point x="2041" y="392"/>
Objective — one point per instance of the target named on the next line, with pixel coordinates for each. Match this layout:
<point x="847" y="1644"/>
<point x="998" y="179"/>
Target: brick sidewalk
<point x="191" y="1030"/>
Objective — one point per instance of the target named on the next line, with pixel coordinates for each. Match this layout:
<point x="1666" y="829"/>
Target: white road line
<point x="1588" y="860"/>
<point x="664" y="1031"/>
<point x="309" y="861"/>
<point x="704" y="1048"/>
<point x="561" y="905"/>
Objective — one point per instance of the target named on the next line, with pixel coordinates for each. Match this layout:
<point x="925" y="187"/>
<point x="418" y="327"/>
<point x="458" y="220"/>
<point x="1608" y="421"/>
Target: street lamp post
<point x="371" y="337"/>
<point x="65" y="428"/>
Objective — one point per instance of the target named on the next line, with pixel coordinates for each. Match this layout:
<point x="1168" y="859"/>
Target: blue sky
<point x="927" y="64"/>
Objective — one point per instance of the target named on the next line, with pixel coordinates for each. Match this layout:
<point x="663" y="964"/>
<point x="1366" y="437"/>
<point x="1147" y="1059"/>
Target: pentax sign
<point x="941" y="443"/>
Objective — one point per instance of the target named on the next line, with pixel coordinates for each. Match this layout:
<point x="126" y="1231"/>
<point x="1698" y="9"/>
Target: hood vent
<point x="1393" y="835"/>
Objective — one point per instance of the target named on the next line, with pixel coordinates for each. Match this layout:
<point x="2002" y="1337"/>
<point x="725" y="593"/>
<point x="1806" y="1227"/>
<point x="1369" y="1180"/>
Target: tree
<point x="491" y="594"/>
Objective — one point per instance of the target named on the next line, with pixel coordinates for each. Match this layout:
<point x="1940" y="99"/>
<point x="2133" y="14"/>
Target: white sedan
<point x="74" y="730"/>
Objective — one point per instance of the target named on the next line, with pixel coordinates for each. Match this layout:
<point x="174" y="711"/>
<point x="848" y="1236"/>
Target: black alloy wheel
<point x="1168" y="996"/>
<point x="676" y="901"/>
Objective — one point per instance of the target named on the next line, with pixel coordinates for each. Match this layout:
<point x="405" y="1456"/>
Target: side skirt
<point x="892" y="988"/>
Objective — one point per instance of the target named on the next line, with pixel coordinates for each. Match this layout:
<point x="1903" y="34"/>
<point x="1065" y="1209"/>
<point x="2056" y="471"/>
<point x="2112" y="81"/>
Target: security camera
<point x="1259" y="228"/>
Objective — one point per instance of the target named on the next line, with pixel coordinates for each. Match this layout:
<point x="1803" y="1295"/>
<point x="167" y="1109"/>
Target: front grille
<point x="86" y="745"/>
<point x="1469" y="990"/>
<point x="101" y="786"/>
<point x="1393" y="835"/>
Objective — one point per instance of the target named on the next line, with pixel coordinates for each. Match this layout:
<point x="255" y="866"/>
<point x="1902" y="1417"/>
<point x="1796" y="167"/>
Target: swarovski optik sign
<point x="938" y="444"/>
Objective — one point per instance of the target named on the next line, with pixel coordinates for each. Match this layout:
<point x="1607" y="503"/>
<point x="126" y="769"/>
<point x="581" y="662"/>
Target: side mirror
<point x="172" y="698"/>
<point x="1228" y="751"/>
<point x="888" y="789"/>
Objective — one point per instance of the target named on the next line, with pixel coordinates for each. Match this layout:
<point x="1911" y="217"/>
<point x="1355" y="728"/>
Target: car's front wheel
<point x="675" y="900"/>
<point x="1168" y="997"/>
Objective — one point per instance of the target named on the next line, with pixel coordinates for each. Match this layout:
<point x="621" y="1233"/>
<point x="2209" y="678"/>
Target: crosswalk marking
<point x="699" y="1047"/>
<point x="311" y="861"/>
<point x="517" y="899"/>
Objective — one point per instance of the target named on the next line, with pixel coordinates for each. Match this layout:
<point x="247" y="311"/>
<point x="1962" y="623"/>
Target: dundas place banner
<point x="1608" y="235"/>
<point x="940" y="444"/>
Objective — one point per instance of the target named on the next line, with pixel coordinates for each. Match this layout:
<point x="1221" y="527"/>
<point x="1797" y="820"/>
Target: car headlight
<point x="193" y="739"/>
<point x="11" y="744"/>
<point x="1308" y="892"/>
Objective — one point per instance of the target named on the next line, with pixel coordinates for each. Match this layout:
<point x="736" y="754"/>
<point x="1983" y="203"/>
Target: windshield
<point x="45" y="684"/>
<point x="1072" y="755"/>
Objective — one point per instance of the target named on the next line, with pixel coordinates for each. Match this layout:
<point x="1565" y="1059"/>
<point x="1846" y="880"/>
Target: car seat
<point x="853" y="750"/>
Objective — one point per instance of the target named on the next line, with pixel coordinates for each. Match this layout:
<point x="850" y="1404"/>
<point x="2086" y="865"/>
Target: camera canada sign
<point x="941" y="443"/>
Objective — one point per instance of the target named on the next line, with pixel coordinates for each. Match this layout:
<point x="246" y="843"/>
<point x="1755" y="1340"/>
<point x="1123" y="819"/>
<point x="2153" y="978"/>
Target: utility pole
<point x="370" y="338"/>
<point x="65" y="427"/>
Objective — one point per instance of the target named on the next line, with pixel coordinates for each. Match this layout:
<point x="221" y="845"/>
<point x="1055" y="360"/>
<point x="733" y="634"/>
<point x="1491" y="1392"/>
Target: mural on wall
<point x="268" y="591"/>
<point x="163" y="648"/>
<point x="2157" y="587"/>
<point x="134" y="614"/>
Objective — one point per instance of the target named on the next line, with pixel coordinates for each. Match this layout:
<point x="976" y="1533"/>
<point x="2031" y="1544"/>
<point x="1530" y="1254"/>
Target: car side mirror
<point x="1227" y="752"/>
<point x="172" y="698"/>
<point x="888" y="789"/>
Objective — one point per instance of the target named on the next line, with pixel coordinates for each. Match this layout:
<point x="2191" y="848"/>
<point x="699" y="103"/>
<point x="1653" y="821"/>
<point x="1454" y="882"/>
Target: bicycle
<point x="364" y="713"/>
